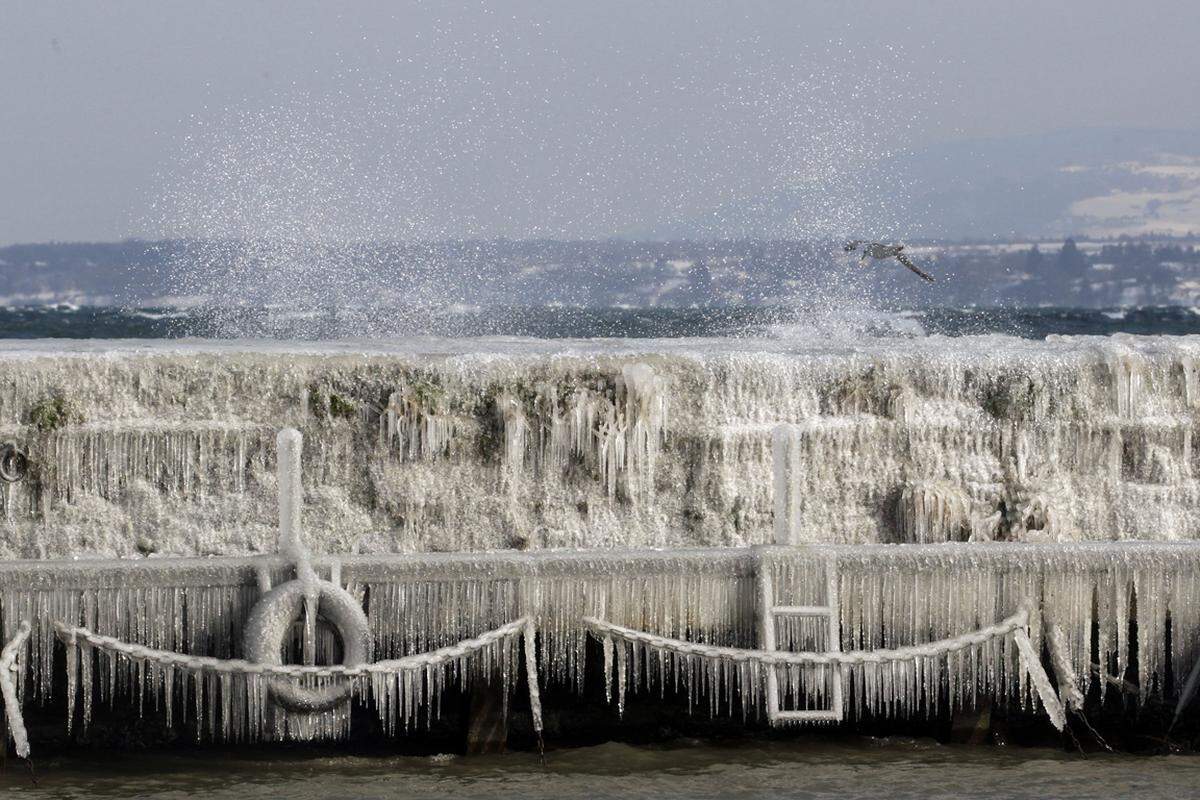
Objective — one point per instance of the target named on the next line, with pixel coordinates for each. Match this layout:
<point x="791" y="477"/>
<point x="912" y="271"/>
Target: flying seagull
<point x="880" y="252"/>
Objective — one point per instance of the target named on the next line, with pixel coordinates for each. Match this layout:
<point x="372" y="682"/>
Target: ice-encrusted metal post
<point x="766" y="633"/>
<point x="1032" y="663"/>
<point x="785" y="456"/>
<point x="11" y="672"/>
<point x="288" y="447"/>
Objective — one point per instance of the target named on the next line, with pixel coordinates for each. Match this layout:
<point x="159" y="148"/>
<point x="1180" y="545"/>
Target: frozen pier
<point x="815" y="534"/>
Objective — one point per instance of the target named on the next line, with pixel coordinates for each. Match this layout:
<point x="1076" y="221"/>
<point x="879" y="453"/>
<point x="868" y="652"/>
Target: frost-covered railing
<point x="911" y="676"/>
<point x="418" y="602"/>
<point x="414" y="602"/>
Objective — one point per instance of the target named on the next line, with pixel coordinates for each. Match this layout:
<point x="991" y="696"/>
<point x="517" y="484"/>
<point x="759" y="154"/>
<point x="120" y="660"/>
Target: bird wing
<point x="903" y="259"/>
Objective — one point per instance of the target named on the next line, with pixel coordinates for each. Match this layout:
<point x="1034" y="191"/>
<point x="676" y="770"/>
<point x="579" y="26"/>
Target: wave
<point x="67" y="320"/>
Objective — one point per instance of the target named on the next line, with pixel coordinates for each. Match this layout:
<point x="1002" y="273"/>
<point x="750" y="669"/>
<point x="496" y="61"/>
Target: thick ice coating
<point x="448" y="445"/>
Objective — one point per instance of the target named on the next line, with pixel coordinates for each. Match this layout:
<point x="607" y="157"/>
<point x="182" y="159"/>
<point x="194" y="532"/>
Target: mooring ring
<point x="14" y="465"/>
<point x="269" y="624"/>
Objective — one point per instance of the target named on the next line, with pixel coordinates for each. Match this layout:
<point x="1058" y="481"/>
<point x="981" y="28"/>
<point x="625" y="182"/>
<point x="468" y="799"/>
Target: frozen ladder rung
<point x="800" y="611"/>
<point x="768" y="641"/>
<point x="832" y="715"/>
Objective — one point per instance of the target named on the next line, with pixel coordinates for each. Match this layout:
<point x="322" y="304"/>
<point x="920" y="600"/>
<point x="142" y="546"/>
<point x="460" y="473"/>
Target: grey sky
<point x="548" y="118"/>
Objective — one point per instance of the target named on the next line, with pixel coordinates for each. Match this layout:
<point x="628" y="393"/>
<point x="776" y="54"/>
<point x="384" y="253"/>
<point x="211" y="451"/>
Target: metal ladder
<point x="768" y="613"/>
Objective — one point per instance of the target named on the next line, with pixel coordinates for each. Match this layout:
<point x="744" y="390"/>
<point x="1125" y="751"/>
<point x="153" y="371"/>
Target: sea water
<point x="84" y="322"/>
<point x="807" y="768"/>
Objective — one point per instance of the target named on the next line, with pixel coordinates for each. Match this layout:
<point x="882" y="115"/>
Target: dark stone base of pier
<point x="487" y="720"/>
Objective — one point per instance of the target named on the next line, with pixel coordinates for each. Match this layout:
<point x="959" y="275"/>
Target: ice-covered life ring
<point x="270" y="621"/>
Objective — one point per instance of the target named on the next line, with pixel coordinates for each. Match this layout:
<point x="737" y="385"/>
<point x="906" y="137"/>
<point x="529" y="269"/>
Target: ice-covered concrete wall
<point x="465" y="445"/>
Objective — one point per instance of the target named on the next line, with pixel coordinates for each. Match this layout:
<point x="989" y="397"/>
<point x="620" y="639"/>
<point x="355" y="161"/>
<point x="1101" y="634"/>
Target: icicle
<point x="1128" y="378"/>
<point x="933" y="512"/>
<point x="516" y="431"/>
<point x="606" y="645"/>
<point x="624" y="653"/>
<point x="1064" y="669"/>
<point x="73" y="654"/>
<point x="418" y="422"/>
<point x="85" y="685"/>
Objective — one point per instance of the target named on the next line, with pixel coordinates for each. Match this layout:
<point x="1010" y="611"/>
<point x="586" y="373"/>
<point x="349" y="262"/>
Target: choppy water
<point x="552" y="323"/>
<point x="800" y="769"/>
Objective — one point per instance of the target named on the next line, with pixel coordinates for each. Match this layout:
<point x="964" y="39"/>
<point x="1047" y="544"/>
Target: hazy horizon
<point x="539" y="119"/>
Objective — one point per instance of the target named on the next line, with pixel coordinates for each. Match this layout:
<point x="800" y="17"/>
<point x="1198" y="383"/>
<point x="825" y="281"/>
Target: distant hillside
<point x="100" y="273"/>
<point x="1093" y="183"/>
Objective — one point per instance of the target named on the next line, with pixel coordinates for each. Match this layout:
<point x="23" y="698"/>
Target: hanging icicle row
<point x="231" y="698"/>
<point x="417" y="603"/>
<point x="892" y="682"/>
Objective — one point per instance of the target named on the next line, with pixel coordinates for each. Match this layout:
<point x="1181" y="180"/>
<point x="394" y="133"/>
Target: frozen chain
<point x="1018" y="621"/>
<point x="73" y="634"/>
